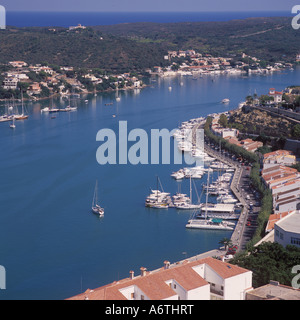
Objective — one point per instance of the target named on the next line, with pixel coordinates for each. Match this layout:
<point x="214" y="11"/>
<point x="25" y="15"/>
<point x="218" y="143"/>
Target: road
<point x="242" y="189"/>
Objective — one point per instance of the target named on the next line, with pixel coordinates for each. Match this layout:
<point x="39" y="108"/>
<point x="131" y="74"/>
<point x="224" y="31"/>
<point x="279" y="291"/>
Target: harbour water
<point x="51" y="245"/>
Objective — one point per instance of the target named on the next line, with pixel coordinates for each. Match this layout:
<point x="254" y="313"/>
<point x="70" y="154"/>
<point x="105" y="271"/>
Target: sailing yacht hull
<point x="21" y="117"/>
<point x="202" y="224"/>
<point x="98" y="211"/>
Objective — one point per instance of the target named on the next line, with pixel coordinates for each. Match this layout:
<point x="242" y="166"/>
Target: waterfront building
<point x="287" y="230"/>
<point x="277" y="95"/>
<point x="10" y="83"/>
<point x="276" y="176"/>
<point x="283" y="157"/>
<point x="287" y="189"/>
<point x="250" y="145"/>
<point x="204" y="279"/>
<point x="34" y="88"/>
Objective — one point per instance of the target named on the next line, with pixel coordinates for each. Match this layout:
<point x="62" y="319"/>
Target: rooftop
<point x="153" y="284"/>
<point x="290" y="222"/>
<point x="274" y="291"/>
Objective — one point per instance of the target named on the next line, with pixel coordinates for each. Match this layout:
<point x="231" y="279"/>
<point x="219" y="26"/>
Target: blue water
<point x="51" y="245"/>
<point x="66" y="19"/>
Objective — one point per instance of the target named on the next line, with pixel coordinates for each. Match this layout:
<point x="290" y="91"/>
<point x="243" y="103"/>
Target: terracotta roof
<point x="273" y="218"/>
<point x="277" y="153"/>
<point x="154" y="286"/>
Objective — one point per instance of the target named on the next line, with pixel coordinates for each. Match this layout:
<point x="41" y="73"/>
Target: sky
<point x="148" y="5"/>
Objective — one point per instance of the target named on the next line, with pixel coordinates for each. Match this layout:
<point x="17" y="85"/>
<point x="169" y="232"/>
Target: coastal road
<point x="241" y="188"/>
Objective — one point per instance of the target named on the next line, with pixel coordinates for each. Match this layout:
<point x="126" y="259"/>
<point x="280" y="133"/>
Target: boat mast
<point x="206" y="196"/>
<point x="190" y="189"/>
<point x="22" y="103"/>
<point x="95" y="199"/>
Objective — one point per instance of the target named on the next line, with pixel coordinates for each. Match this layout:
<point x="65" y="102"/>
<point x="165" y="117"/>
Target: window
<point x="142" y="297"/>
<point x="132" y="295"/>
<point x="281" y="236"/>
<point x="295" y="241"/>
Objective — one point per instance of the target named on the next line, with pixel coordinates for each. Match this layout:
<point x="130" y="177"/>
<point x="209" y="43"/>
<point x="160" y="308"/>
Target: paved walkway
<point x="236" y="236"/>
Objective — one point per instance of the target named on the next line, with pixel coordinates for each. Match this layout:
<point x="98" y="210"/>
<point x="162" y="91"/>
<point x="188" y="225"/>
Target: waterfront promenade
<point x="237" y="235"/>
<point x="241" y="174"/>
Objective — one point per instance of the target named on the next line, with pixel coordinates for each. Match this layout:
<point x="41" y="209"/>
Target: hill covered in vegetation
<point x="136" y="46"/>
<point x="270" y="39"/>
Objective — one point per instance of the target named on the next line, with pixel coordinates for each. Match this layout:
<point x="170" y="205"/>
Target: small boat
<point x="46" y="109"/>
<point x="225" y="100"/>
<point x="68" y="109"/>
<point x="95" y="206"/>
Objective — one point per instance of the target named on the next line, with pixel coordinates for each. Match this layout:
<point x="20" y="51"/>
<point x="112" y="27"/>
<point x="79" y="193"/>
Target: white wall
<point x="284" y="237"/>
<point x="201" y="293"/>
<point x="235" y="287"/>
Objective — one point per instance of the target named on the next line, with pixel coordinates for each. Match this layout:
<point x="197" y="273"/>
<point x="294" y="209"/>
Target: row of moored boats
<point x="214" y="216"/>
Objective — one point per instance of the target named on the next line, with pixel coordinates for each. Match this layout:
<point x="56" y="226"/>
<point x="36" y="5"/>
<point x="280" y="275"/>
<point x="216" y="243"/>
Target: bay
<point x="51" y="245"/>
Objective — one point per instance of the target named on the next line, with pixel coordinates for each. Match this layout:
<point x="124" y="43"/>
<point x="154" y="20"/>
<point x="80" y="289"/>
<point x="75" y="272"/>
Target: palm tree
<point x="226" y="242"/>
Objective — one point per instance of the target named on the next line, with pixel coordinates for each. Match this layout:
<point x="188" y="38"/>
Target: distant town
<point x="42" y="80"/>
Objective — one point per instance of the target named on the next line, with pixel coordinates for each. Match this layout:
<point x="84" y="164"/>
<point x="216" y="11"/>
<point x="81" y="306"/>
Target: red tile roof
<point x="154" y="285"/>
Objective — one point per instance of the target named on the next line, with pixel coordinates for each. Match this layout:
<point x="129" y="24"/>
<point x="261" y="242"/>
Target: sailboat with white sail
<point x="96" y="208"/>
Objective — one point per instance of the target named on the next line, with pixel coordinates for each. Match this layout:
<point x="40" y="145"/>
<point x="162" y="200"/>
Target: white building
<point x="283" y="157"/>
<point x="277" y="95"/>
<point x="10" y="83"/>
<point x="205" y="279"/>
<point x="287" y="230"/>
<point x="79" y="26"/>
<point x="18" y="64"/>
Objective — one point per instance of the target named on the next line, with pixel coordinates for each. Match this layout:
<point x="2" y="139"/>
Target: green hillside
<point x="136" y="46"/>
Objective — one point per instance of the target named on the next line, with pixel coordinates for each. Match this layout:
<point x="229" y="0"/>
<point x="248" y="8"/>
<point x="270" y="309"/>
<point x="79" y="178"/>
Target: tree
<point x="223" y="121"/>
<point x="225" y="242"/>
<point x="269" y="261"/>
<point x="264" y="99"/>
<point x="296" y="131"/>
<point x="249" y="100"/>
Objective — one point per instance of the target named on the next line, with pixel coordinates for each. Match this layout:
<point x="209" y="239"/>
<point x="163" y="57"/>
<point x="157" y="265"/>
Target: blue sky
<point x="149" y="5"/>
